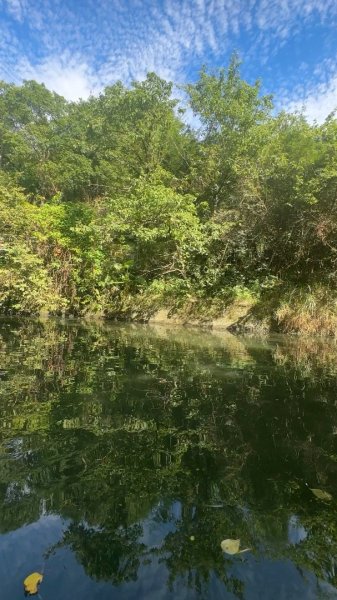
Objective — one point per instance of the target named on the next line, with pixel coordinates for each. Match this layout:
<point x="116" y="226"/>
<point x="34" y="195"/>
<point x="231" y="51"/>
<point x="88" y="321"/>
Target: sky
<point x="77" y="47"/>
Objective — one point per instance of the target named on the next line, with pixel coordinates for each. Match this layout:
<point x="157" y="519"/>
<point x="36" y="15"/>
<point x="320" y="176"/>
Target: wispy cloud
<point x="78" y="47"/>
<point x="15" y="8"/>
<point x="315" y="97"/>
<point x="318" y="102"/>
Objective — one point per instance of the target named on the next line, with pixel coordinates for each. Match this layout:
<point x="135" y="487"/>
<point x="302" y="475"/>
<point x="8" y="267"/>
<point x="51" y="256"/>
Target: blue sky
<point x="76" y="47"/>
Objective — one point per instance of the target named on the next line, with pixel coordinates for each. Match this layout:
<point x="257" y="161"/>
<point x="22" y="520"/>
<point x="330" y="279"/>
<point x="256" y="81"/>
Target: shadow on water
<point x="128" y="453"/>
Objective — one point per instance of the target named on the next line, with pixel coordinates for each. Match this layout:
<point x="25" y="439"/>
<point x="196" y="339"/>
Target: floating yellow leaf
<point x="230" y="546"/>
<point x="31" y="583"/>
<point x="321" y="495"/>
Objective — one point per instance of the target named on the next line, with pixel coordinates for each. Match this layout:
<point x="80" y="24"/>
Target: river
<point x="129" y="453"/>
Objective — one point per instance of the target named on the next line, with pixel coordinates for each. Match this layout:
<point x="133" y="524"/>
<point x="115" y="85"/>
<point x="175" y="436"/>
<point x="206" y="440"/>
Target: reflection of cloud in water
<point x="296" y="531"/>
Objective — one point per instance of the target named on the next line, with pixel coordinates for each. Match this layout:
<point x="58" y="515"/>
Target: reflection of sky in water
<point x="64" y="576"/>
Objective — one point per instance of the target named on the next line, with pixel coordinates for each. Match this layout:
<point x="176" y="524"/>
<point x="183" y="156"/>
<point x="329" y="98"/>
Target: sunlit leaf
<point x="321" y="494"/>
<point x="230" y="546"/>
<point x="31" y="583"/>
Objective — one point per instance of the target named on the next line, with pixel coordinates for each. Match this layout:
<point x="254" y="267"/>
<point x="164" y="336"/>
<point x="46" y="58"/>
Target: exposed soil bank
<point x="236" y="317"/>
<point x="262" y="317"/>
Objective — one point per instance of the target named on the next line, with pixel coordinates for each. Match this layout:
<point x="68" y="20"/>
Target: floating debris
<point x="232" y="547"/>
<point x="31" y="583"/>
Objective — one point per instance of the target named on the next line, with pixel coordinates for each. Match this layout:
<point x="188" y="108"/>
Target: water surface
<point x="127" y="454"/>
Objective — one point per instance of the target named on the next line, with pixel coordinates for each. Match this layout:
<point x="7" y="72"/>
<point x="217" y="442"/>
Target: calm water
<point x="127" y="454"/>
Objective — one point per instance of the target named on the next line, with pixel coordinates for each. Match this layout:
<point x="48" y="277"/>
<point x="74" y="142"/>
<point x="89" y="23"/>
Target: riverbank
<point x="306" y="311"/>
<point x="295" y="311"/>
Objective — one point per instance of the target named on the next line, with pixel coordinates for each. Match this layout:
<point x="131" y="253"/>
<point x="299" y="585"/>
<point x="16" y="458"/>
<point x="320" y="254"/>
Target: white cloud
<point x="16" y="9"/>
<point x="72" y="79"/>
<point x="318" y="102"/>
<point x="167" y="37"/>
<point x="78" y="47"/>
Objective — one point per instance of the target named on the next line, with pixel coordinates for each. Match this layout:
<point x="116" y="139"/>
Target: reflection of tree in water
<point x="108" y="427"/>
<point x="107" y="555"/>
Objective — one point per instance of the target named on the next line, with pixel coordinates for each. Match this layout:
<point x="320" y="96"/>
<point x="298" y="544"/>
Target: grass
<point x="308" y="310"/>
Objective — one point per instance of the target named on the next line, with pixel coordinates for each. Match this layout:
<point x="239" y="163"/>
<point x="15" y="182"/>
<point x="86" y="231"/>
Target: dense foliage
<point x="114" y="205"/>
